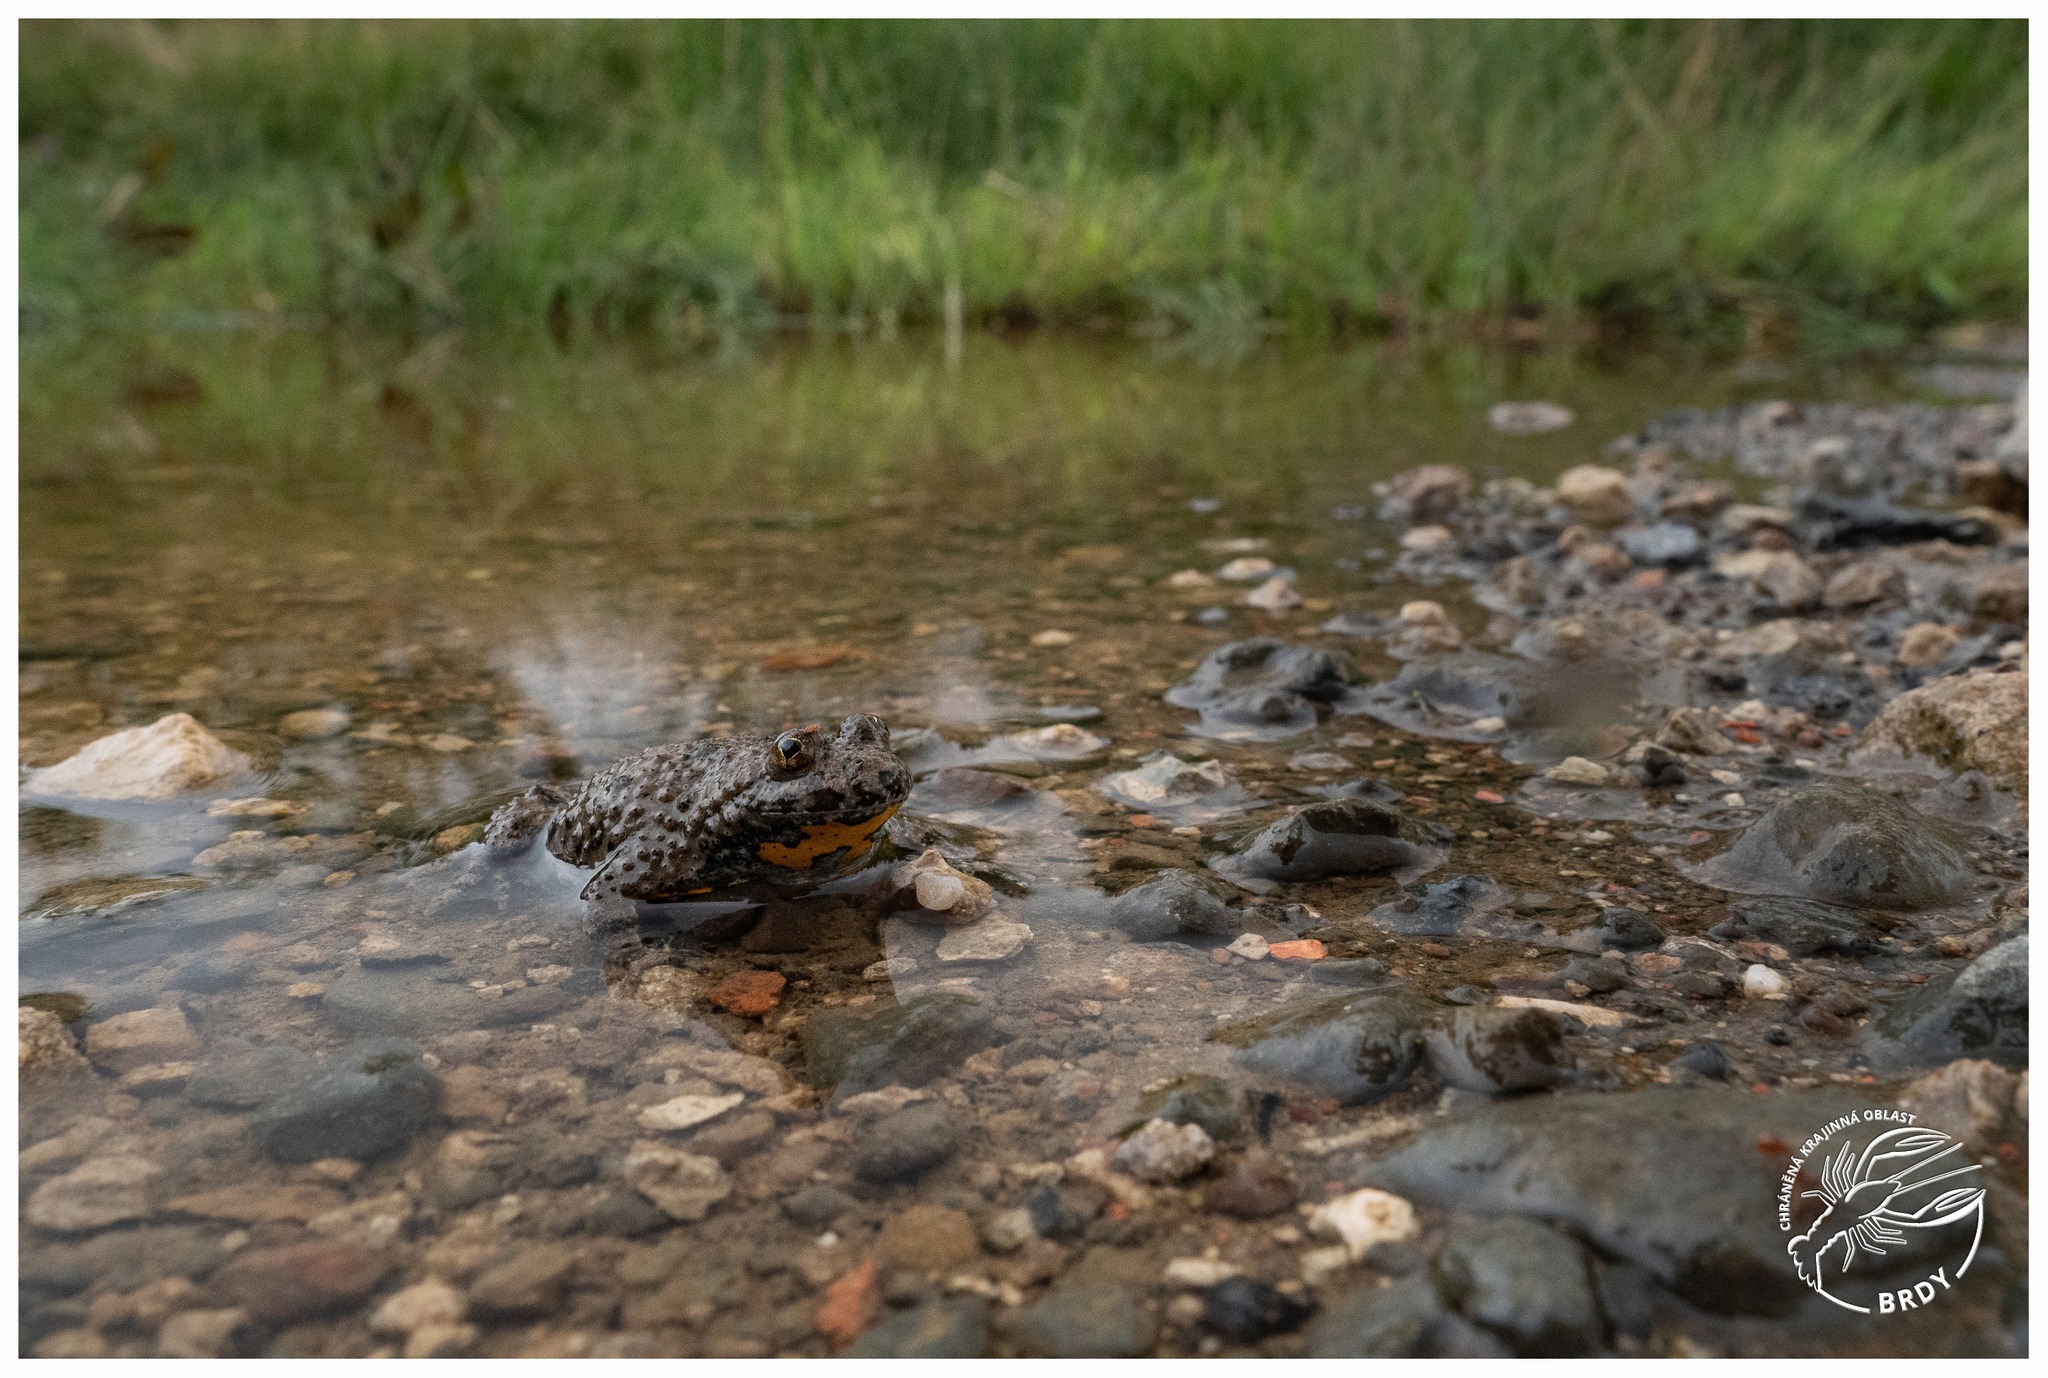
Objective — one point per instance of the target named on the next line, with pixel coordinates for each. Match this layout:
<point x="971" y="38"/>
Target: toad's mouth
<point x="823" y="839"/>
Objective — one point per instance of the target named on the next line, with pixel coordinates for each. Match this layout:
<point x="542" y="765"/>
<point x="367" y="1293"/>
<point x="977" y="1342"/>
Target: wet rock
<point x="1261" y="689"/>
<point x="1709" y="1232"/>
<point x="1429" y="494"/>
<point x="859" y="1050"/>
<point x="989" y="940"/>
<point x="1970" y="1099"/>
<point x="374" y="1097"/>
<point x="1332" y="838"/>
<point x="1523" y="1281"/>
<point x="1245" y="1310"/>
<point x="1670" y="544"/>
<point x="1759" y="982"/>
<point x="1806" y="927"/>
<point x="1627" y="929"/>
<point x="1693" y="732"/>
<point x="1164" y="784"/>
<point x="816" y="1207"/>
<point x="1449" y="907"/>
<point x="95" y="1194"/>
<point x="425" y="1001"/>
<point x="1164" y="1151"/>
<point x="1352" y="971"/>
<point x="1061" y="741"/>
<point x="1597" y="496"/>
<point x="684" y="1185"/>
<point x="1087" y="1320"/>
<point x="952" y="1329"/>
<point x="203" y="1334"/>
<point x="45" y="1045"/>
<point x="1495" y="1050"/>
<point x="1173" y="904"/>
<point x="1193" y="1100"/>
<point x="1363" y="1220"/>
<point x="244" y="1076"/>
<point x="1375" y="1322"/>
<point x="1837" y="523"/>
<point x="1842" y="844"/>
<point x="1600" y="975"/>
<point x="687" y="1112"/>
<point x="1357" y="1048"/>
<point x="1863" y="582"/>
<point x="941" y="892"/>
<point x="1577" y="770"/>
<point x="531" y="1283"/>
<point x="1706" y="1058"/>
<point x="1254" y="1186"/>
<point x="1275" y="595"/>
<point x="173" y="755"/>
<point x="313" y="724"/>
<point x="1980" y="1013"/>
<point x="906" y="1145"/>
<point x="297" y="1281"/>
<point x="928" y="1239"/>
<point x="1976" y="721"/>
<point x="1928" y="643"/>
<point x="429" y="1302"/>
<point x="1999" y="594"/>
<point x="140" y="1038"/>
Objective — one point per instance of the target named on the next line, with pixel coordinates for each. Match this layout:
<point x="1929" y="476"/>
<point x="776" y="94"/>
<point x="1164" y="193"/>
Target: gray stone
<point x="1523" y="1281"/>
<point x="907" y="1144"/>
<point x="246" y="1076"/>
<point x="1627" y="929"/>
<point x="1192" y="1099"/>
<point x="425" y="1001"/>
<point x="1374" y="1322"/>
<point x="1601" y="975"/>
<point x="1336" y="837"/>
<point x="374" y="1097"/>
<point x="1357" y="1048"/>
<point x="1087" y="1321"/>
<point x="1842" y="844"/>
<point x="1245" y="1310"/>
<point x="1494" y="1050"/>
<point x="1806" y="927"/>
<point x="1980" y="1013"/>
<point x="900" y="1045"/>
<point x="1173" y="904"/>
<point x="1458" y="906"/>
<point x="816" y="1207"/>
<point x="1261" y="688"/>
<point x="528" y="1284"/>
<point x="1666" y="543"/>
<point x="955" y="1329"/>
<point x="1668" y="1179"/>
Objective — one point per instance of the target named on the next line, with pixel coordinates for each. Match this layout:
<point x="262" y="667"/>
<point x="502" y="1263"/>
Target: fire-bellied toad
<point x="690" y="817"/>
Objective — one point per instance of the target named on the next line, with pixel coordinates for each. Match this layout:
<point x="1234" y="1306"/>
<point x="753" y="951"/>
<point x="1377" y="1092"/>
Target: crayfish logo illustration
<point x="1872" y="1200"/>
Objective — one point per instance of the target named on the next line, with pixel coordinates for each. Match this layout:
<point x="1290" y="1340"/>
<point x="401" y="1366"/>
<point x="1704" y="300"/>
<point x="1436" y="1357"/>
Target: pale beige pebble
<point x="1363" y="1218"/>
<point x="372" y="1221"/>
<point x="158" y="1078"/>
<point x="687" y="1112"/>
<point x="313" y="724"/>
<point x="79" y="1343"/>
<point x="1060" y="739"/>
<point x="1693" y="731"/>
<point x="1592" y="1016"/>
<point x="173" y="755"/>
<point x="203" y="1334"/>
<point x="456" y="838"/>
<point x="1198" y="1272"/>
<point x="1425" y="540"/>
<point x="1318" y="1264"/>
<point x="943" y="893"/>
<point x="670" y="988"/>
<point x="989" y="940"/>
<point x="1247" y="568"/>
<point x="1974" y="721"/>
<point x="1491" y="726"/>
<point x="254" y="807"/>
<point x="1429" y="493"/>
<point x="1528" y="418"/>
<point x="45" y="1045"/>
<point x="1275" y="595"/>
<point x="339" y="1171"/>
<point x="1759" y="982"/>
<point x="424" y="1303"/>
<point x="305" y="990"/>
<point x="95" y="1194"/>
<point x="1862" y="582"/>
<point x="1052" y="636"/>
<point x="446" y="742"/>
<point x="1744" y="518"/>
<point x="1598" y="495"/>
<point x="1189" y="579"/>
<point x="1970" y="1099"/>
<point x="885" y="1100"/>
<point x="1164" y="1151"/>
<point x="1577" y="770"/>
<point x="758" y="1076"/>
<point x="1423" y="613"/>
<point x="1250" y="946"/>
<point x="140" y="1037"/>
<point x="336" y="879"/>
<point x="88" y="1134"/>
<point x="554" y="973"/>
<point x="684" y="1185"/>
<point x="1926" y="643"/>
<point x="442" y="1341"/>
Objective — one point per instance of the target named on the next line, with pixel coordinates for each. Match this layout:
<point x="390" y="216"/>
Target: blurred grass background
<point x="1705" y="178"/>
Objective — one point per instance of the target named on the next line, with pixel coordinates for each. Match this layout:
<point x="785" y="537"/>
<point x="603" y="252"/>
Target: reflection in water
<point x="304" y="1044"/>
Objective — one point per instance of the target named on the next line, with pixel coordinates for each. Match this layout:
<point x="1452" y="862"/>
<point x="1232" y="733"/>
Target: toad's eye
<point x="792" y="752"/>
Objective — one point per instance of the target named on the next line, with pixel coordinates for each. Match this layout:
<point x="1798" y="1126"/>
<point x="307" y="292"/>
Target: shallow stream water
<point x="480" y="566"/>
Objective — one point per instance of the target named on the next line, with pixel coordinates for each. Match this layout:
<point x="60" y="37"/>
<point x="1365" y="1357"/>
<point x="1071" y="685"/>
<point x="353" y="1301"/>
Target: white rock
<point x="313" y="724"/>
<point x="173" y="755"/>
<point x="1528" y="418"/>
<point x="1598" y="495"/>
<point x="1250" y="946"/>
<point x="1422" y="540"/>
<point x="991" y="940"/>
<point x="1761" y="983"/>
<point x="1198" y="1272"/>
<point x="1577" y="770"/>
<point x="1163" y="1151"/>
<point x="939" y="890"/>
<point x="1275" y="595"/>
<point x="1489" y="725"/>
<point x="1052" y="636"/>
<point x="946" y="894"/>
<point x="684" y="1185"/>
<point x="1062" y="741"/>
<point x="872" y="1105"/>
<point x="687" y="1112"/>
<point x="1165" y="777"/>
<point x="1364" y="1218"/>
<point x="1189" y="579"/>
<point x="1423" y="613"/>
<point x="1247" y="568"/>
<point x="431" y="1302"/>
<point x="94" y="1195"/>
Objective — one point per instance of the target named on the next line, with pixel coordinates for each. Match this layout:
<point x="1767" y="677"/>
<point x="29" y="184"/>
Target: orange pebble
<point x="1487" y="796"/>
<point x="1300" y="950"/>
<point x="748" y="993"/>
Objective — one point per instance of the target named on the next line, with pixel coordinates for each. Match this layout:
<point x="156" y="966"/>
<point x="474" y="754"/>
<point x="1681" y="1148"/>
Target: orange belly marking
<point x="822" y="839"/>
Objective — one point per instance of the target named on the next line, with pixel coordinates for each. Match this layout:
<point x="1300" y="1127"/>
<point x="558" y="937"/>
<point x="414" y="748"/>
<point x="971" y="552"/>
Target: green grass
<point x="701" y="176"/>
